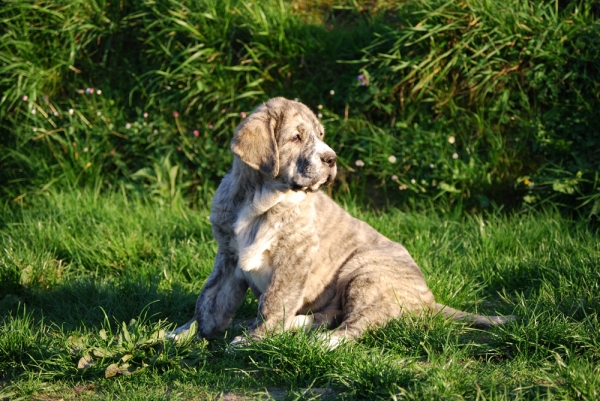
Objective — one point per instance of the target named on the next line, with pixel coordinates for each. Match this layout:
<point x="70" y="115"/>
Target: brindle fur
<point x="306" y="259"/>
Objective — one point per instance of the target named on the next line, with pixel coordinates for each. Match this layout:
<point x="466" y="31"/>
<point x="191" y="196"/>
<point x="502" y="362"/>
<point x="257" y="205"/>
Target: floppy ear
<point x="254" y="142"/>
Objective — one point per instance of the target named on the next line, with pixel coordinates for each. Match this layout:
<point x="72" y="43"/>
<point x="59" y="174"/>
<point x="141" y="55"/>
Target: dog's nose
<point x="329" y="158"/>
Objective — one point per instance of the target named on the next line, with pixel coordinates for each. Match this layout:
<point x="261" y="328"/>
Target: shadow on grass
<point x="85" y="303"/>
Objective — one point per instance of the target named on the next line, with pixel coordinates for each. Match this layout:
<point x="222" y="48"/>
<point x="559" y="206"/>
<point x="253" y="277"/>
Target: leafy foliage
<point x="461" y="103"/>
<point x="135" y="346"/>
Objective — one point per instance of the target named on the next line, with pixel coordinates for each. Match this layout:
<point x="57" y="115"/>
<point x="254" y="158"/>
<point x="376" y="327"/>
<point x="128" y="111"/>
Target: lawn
<point x="466" y="130"/>
<point x="89" y="283"/>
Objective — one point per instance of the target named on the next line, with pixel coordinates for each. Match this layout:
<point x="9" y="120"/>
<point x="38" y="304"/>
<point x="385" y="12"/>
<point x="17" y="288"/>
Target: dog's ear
<point x="254" y="142"/>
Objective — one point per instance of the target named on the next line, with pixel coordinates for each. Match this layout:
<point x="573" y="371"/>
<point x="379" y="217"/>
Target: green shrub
<point x="459" y="103"/>
<point x="511" y="85"/>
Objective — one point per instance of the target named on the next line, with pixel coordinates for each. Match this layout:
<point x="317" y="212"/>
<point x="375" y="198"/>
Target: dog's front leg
<point x="220" y="297"/>
<point x="283" y="298"/>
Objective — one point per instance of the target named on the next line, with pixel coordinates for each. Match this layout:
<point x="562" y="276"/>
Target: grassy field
<point x="89" y="283"/>
<point x="115" y="120"/>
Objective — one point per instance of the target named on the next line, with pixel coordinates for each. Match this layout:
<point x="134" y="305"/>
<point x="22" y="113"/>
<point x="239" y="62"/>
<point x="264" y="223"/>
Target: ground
<point x="102" y="278"/>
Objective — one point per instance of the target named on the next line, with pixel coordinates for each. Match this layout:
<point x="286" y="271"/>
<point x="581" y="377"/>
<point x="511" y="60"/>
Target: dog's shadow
<point x="86" y="304"/>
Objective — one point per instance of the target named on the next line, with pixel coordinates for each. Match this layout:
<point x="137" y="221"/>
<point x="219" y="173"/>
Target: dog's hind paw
<point x="332" y="340"/>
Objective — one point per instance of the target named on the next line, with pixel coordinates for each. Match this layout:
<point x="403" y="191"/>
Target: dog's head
<point x="283" y="139"/>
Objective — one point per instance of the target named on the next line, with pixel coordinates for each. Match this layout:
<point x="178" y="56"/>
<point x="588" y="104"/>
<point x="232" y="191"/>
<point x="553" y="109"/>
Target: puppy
<point x="307" y="260"/>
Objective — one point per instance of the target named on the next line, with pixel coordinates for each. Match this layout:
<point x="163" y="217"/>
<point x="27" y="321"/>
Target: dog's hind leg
<point x="373" y="296"/>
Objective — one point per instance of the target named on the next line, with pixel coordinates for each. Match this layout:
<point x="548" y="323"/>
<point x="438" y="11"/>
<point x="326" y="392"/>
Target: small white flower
<point x="402" y="187"/>
<point x="145" y="114"/>
<point x="98" y="92"/>
<point x="451" y="139"/>
<point x="320" y="115"/>
<point x="392" y="159"/>
<point x="98" y="113"/>
<point x="332" y="92"/>
<point x="359" y="163"/>
<point x="394" y="177"/>
<point x="33" y="111"/>
<point x="128" y="125"/>
<point x="85" y="150"/>
<point x="512" y="117"/>
<point x="431" y="165"/>
<point x="80" y="91"/>
<point x="71" y="111"/>
<point x="34" y="129"/>
<point x="455" y="155"/>
<point x="25" y="98"/>
<point x="155" y="131"/>
<point x="320" y="106"/>
<point x="413" y="181"/>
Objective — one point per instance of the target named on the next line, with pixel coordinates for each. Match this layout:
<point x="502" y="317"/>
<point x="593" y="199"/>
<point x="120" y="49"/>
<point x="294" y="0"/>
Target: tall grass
<point x="465" y="103"/>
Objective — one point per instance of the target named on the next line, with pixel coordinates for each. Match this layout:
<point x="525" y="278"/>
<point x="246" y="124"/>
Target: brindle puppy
<point x="306" y="259"/>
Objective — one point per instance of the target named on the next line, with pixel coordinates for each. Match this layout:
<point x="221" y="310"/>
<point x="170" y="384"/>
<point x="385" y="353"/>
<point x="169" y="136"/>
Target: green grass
<point x="473" y="102"/>
<point x="459" y="106"/>
<point x="95" y="280"/>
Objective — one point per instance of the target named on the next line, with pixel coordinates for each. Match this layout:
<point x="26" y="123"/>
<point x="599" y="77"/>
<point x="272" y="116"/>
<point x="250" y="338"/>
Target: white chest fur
<point x="256" y="229"/>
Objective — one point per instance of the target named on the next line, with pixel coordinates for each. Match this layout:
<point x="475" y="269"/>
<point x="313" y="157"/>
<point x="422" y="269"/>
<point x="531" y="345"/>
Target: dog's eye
<point x="297" y="138"/>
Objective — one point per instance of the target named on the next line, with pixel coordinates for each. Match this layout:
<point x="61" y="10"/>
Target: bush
<point x="468" y="103"/>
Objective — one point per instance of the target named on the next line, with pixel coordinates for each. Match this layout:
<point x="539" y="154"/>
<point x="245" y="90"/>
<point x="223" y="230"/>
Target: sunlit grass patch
<point x="88" y="327"/>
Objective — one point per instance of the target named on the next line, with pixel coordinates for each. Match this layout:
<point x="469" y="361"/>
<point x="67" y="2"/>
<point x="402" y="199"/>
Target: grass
<point x="474" y="102"/>
<point x="89" y="283"/>
<point x="114" y="123"/>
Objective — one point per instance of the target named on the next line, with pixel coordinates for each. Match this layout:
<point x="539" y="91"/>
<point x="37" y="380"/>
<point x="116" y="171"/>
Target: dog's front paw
<point x="236" y="343"/>
<point x="239" y="341"/>
<point x="185" y="333"/>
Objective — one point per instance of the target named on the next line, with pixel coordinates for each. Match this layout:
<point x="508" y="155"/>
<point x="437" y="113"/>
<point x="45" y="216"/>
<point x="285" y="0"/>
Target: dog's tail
<point x="475" y="320"/>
